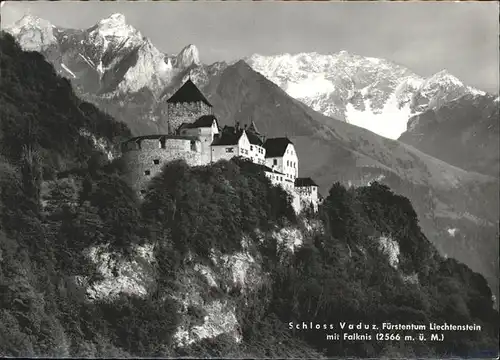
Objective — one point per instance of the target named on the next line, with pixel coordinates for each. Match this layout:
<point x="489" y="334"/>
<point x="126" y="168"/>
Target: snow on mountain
<point x="150" y="70"/>
<point x="437" y="90"/>
<point x="390" y="121"/>
<point x="68" y="70"/>
<point x="372" y="93"/>
<point x="113" y="58"/>
<point x="118" y="47"/>
<point x="109" y="58"/>
<point x="33" y="33"/>
<point x="114" y="26"/>
<point x="188" y="56"/>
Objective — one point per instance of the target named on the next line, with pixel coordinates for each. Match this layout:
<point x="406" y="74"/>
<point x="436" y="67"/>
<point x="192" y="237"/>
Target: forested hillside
<point x="362" y="258"/>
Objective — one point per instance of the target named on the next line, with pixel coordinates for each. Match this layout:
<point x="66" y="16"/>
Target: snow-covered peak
<point x="475" y="91"/>
<point x="111" y="35"/>
<point x="438" y="89"/>
<point x="188" y="56"/>
<point x="294" y="68"/>
<point x="30" y="21"/>
<point x="369" y="92"/>
<point x="115" y="26"/>
<point x="443" y="77"/>
<point x="33" y="33"/>
<point x="116" y="18"/>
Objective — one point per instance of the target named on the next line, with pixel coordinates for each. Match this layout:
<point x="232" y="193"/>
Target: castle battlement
<point x="151" y="142"/>
<point x="144" y="156"/>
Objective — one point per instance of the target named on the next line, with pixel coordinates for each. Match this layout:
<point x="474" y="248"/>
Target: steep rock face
<point x="189" y="56"/>
<point x="34" y="34"/>
<point x="203" y="316"/>
<point x="464" y="132"/>
<point x="110" y="58"/>
<point x="372" y="93"/>
<point x="134" y="276"/>
<point x="439" y="89"/>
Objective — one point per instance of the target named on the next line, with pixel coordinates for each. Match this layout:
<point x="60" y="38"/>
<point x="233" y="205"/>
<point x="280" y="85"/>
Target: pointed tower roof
<point x="276" y="147"/>
<point x="188" y="93"/>
<point x="253" y="128"/>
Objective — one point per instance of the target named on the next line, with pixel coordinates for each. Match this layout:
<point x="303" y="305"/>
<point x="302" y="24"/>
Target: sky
<point x="426" y="37"/>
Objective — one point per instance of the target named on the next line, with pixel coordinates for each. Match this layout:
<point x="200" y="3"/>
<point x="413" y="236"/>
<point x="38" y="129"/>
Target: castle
<point x="194" y="135"/>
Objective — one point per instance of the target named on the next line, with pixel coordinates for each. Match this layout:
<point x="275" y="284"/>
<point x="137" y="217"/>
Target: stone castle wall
<point x="178" y="113"/>
<point x="147" y="160"/>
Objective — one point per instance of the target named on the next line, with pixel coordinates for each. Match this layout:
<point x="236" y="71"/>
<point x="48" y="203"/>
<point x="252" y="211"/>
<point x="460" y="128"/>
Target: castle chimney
<point x="237" y="126"/>
<point x="246" y="125"/>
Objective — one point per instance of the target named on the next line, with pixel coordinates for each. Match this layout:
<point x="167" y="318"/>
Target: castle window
<point x="275" y="162"/>
<point x="147" y="172"/>
<point x="156" y="161"/>
<point x="251" y="148"/>
<point x="229" y="150"/>
<point x="193" y="145"/>
<point x="162" y="143"/>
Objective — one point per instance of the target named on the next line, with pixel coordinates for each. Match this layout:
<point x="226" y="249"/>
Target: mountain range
<point x="333" y="107"/>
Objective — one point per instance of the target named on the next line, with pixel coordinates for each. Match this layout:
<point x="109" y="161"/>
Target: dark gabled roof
<point x="188" y="93"/>
<point x="253" y="138"/>
<point x="301" y="182"/>
<point x="204" y="121"/>
<point x="229" y="136"/>
<point x="276" y="147"/>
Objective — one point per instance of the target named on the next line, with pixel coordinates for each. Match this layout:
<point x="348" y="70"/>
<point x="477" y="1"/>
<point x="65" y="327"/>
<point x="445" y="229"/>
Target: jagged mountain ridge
<point x="110" y="64"/>
<point x="109" y="59"/>
<point x="369" y="92"/>
<point x="446" y="198"/>
<point x="372" y="93"/>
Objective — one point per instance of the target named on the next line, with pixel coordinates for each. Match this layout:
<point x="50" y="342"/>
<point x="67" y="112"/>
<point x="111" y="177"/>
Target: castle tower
<point x="186" y="106"/>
